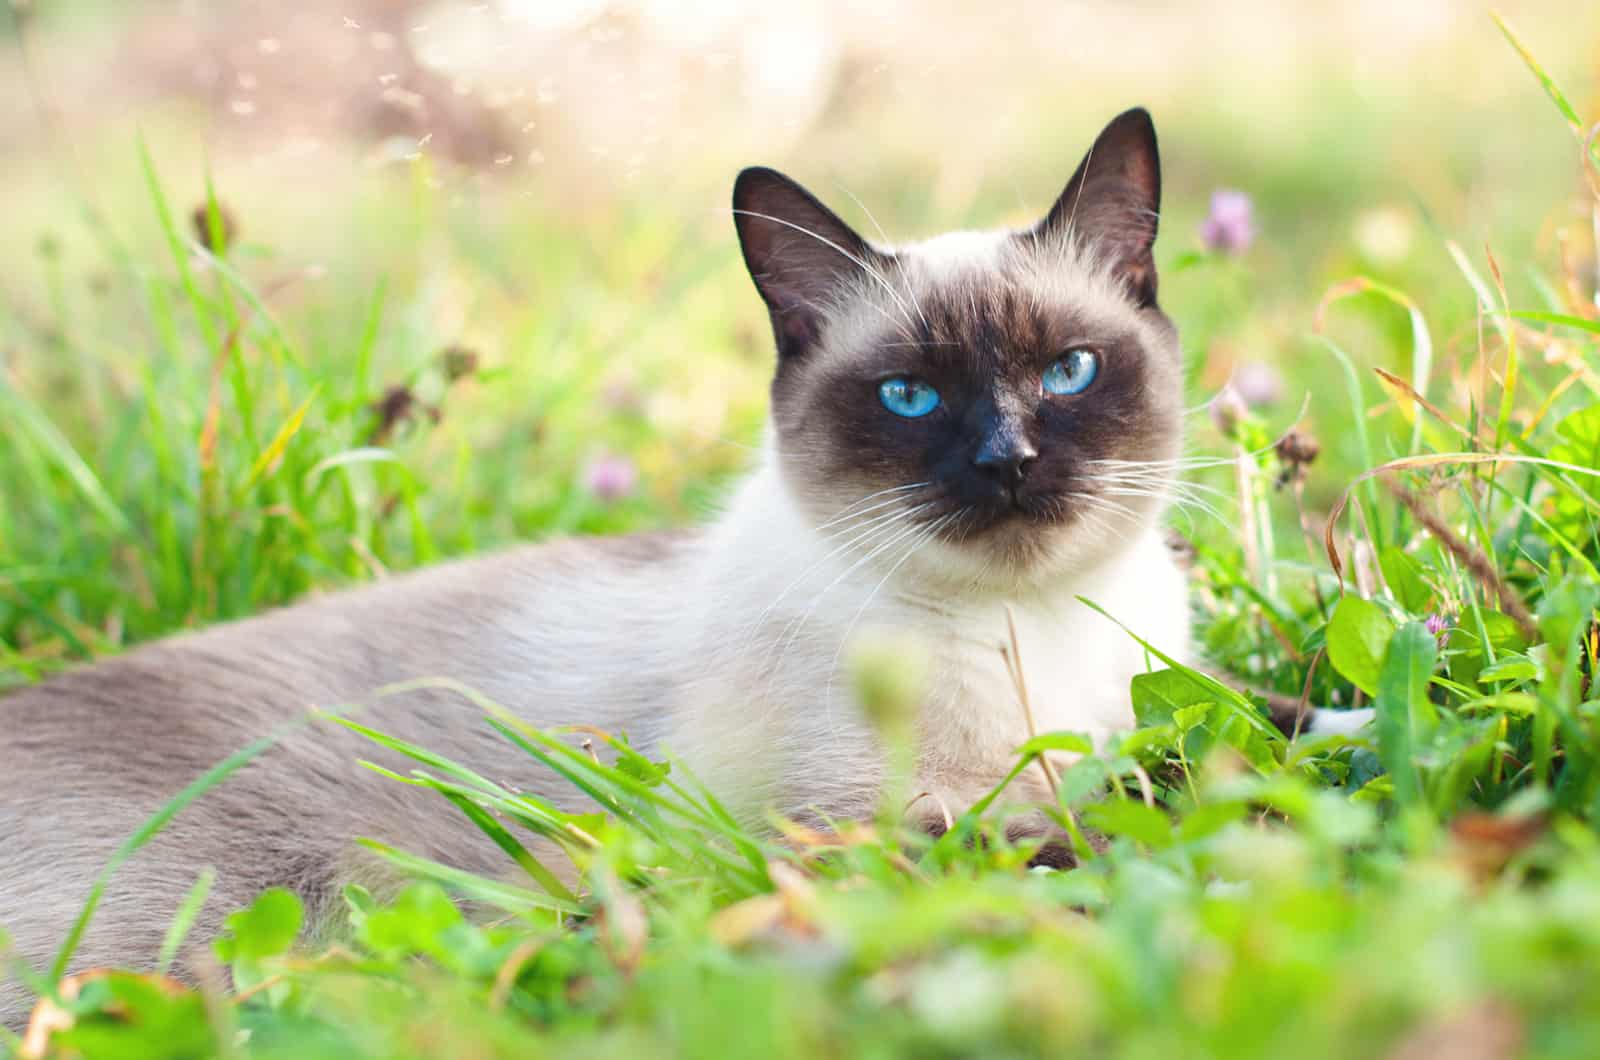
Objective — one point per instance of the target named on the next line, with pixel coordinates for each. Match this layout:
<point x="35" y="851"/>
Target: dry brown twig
<point x="1013" y="659"/>
<point x="1480" y="566"/>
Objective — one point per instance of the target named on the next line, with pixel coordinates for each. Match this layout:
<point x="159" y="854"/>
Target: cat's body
<point x="727" y="647"/>
<point x="89" y="756"/>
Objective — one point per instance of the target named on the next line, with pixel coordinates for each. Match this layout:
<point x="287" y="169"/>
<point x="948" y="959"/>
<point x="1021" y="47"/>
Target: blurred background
<point x="486" y="246"/>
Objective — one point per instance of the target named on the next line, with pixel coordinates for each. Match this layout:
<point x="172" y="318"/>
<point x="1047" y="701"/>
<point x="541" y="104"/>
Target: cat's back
<point x="87" y="756"/>
<point x="519" y="626"/>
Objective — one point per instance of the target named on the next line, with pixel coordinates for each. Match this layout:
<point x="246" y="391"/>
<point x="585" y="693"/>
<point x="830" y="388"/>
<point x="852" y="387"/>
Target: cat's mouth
<point x="1014" y="515"/>
<point x="1006" y="511"/>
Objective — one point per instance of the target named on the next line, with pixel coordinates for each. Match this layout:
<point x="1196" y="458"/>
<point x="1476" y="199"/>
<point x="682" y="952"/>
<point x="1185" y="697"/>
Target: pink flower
<point x="1258" y="383"/>
<point x="1230" y="228"/>
<point x="621" y="396"/>
<point x="1439" y="625"/>
<point x="610" y="477"/>
<point x="1227" y="409"/>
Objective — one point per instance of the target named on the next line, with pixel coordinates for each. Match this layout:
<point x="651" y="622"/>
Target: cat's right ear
<point x="798" y="251"/>
<point x="1113" y="202"/>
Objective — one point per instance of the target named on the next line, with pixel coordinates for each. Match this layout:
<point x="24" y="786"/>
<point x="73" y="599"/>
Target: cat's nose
<point x="1005" y="457"/>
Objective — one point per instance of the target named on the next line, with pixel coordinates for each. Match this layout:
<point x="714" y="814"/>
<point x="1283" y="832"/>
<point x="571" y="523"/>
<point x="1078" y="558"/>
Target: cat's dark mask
<point x="1005" y="402"/>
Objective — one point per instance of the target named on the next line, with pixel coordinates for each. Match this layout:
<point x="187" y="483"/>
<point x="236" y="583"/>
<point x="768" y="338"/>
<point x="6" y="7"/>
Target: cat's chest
<point x="1075" y="663"/>
<point x="1073" y="673"/>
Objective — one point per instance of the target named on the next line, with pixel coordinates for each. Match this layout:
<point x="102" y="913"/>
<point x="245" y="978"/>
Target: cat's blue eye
<point x="1071" y="373"/>
<point x="908" y="397"/>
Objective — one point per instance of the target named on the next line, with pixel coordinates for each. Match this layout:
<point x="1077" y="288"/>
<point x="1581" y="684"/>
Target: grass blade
<point x="178" y="930"/>
<point x="1404" y="713"/>
<point x="1566" y="320"/>
<point x="269" y="456"/>
<point x="504" y="896"/>
<point x="54" y="444"/>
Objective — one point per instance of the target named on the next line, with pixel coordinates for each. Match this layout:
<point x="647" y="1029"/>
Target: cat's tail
<point x="1294" y="718"/>
<point x="1324" y="721"/>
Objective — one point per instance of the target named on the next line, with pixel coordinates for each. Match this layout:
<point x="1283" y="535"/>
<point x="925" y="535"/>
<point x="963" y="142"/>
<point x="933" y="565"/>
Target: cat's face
<point x="997" y="406"/>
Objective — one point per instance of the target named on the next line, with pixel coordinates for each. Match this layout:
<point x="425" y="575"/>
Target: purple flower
<point x="1230" y="228"/>
<point x="1439" y="625"/>
<point x="610" y="477"/>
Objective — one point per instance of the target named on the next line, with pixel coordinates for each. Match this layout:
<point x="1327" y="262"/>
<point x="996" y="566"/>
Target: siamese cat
<point x="977" y="426"/>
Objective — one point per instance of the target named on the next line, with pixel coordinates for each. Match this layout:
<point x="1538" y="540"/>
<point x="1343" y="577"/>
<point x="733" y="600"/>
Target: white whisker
<point x="863" y="208"/>
<point x="850" y="510"/>
<point x="1179" y="501"/>
<point x="856" y="535"/>
<point x="1129" y="477"/>
<point x="791" y="631"/>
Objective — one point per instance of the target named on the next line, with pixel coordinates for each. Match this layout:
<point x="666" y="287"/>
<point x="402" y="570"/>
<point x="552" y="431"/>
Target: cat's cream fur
<point x="770" y="721"/>
<point x="727" y="647"/>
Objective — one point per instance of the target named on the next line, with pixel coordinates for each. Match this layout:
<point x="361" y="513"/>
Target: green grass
<point x="199" y="435"/>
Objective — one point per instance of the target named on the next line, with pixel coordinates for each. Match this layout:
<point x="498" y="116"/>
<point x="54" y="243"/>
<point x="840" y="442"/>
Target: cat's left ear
<point x="799" y="252"/>
<point x="1113" y="202"/>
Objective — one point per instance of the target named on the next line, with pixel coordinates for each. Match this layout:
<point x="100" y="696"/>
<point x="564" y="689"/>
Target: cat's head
<point x="999" y="405"/>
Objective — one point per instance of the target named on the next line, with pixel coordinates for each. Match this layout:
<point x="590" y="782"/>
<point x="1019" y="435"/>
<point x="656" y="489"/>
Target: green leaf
<point x="1405" y="714"/>
<point x="1210" y="818"/>
<point x="1580" y="446"/>
<point x="124" y="1015"/>
<point x="1229" y="699"/>
<point x="1155" y="742"/>
<point x="266" y="928"/>
<point x="1187" y="718"/>
<point x="1083" y="778"/>
<point x="1124" y="817"/>
<point x="419" y="916"/>
<point x="1510" y="668"/>
<point x="631" y="763"/>
<point x="1405" y="578"/>
<point x="1582" y="428"/>
<point x="1158" y="696"/>
<point x="1358" y="635"/>
<point x="1471" y="652"/>
<point x="1257" y="749"/>
<point x="359" y="901"/>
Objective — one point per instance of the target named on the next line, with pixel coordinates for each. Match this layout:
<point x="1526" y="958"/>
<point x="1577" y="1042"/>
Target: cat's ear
<point x="798" y="252"/>
<point x="1113" y="202"/>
